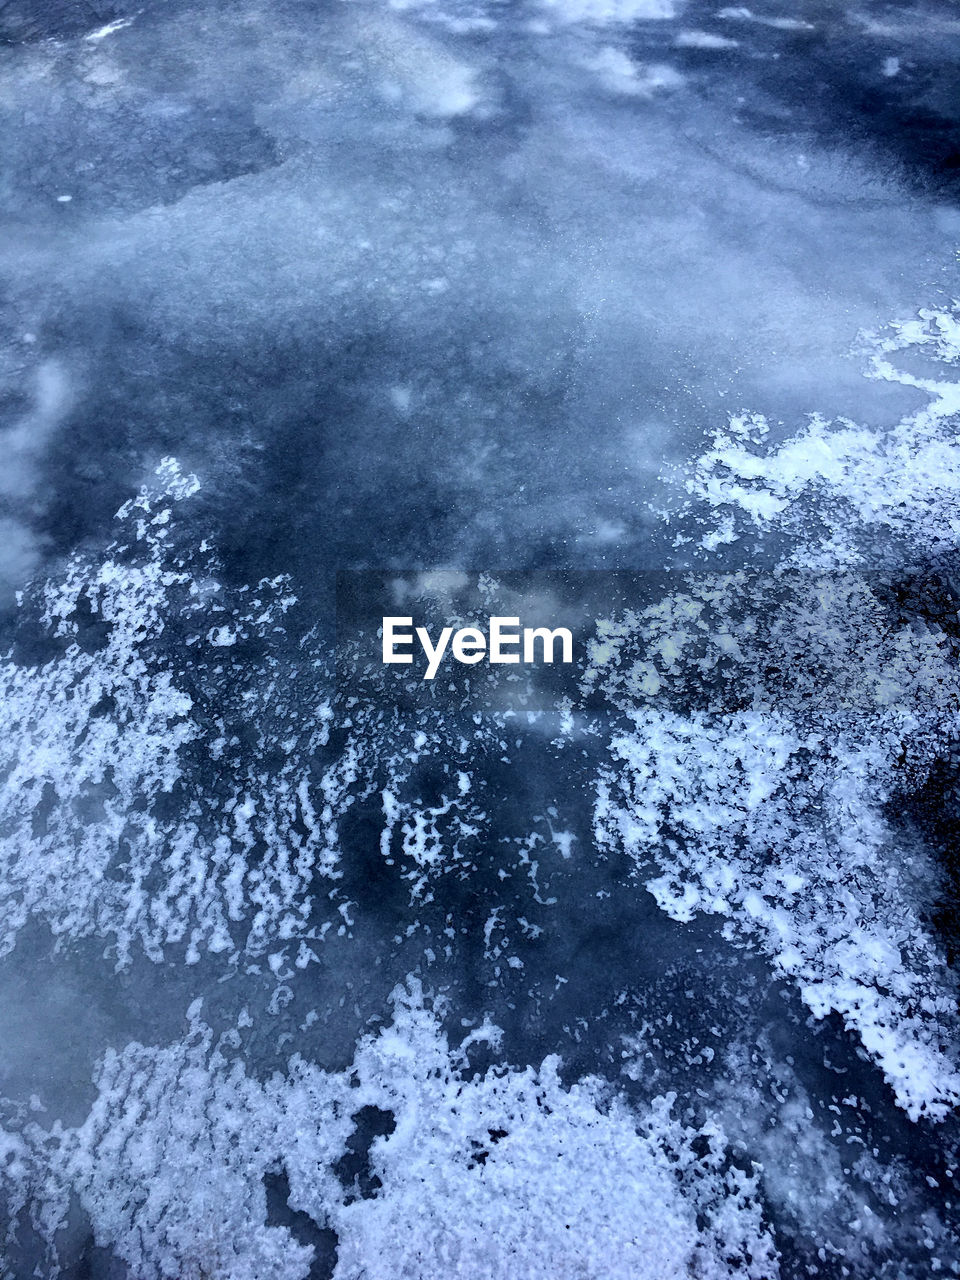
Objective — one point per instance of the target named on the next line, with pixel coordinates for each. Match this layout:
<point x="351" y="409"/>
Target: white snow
<point x="109" y="29"/>
<point x="609" y="12"/>
<point x="836" y="487"/>
<point x="97" y="737"/>
<point x="491" y="1176"/>
<point x="769" y="720"/>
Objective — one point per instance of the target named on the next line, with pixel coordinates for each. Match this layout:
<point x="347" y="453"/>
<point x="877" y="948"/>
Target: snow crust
<point x="835" y="487"/>
<point x="778" y="722"/>
<point x="100" y="831"/>
<point x="497" y="1174"/>
<point x="772" y="722"/>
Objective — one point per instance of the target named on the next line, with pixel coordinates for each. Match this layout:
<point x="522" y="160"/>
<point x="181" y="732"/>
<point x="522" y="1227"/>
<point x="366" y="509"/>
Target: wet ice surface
<point x="641" y="969"/>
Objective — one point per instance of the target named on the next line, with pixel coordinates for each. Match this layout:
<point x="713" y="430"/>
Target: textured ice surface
<point x="765" y="729"/>
<point x="469" y="285"/>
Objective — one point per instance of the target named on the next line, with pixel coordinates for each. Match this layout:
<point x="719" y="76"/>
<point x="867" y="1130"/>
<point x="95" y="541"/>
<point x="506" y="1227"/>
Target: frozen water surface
<point x="642" y="968"/>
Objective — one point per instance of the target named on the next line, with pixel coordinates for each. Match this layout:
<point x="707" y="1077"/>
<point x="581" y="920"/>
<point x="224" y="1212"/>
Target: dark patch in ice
<point x="480" y="1152"/>
<point x="323" y="1240"/>
<point x="353" y="1167"/>
<point x="824" y="81"/>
